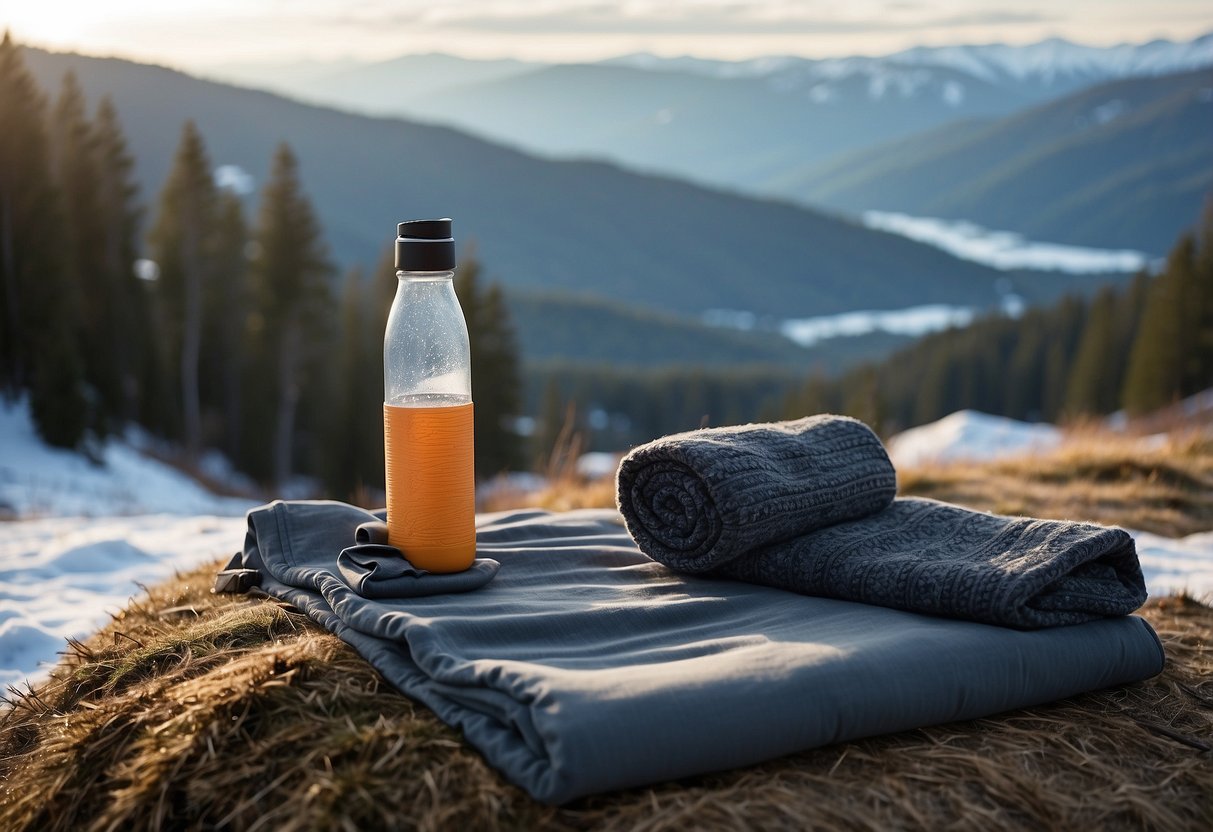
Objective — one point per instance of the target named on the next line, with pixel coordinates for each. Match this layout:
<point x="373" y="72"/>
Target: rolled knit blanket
<point x="695" y="501"/>
<point x="808" y="506"/>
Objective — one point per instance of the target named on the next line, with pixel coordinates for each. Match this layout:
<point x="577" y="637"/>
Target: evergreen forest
<point x="218" y="322"/>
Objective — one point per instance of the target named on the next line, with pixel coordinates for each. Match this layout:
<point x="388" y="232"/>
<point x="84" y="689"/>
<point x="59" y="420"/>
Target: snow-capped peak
<point x="1056" y="59"/>
<point x="1055" y="64"/>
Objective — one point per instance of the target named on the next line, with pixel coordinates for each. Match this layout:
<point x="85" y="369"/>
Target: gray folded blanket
<point x="583" y="666"/>
<point x="808" y="506"/>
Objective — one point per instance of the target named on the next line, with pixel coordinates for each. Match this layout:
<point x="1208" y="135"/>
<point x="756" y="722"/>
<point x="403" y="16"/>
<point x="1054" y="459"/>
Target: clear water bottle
<point x="427" y="406"/>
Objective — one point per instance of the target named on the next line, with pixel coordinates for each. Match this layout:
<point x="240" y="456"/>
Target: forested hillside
<point x="1119" y="165"/>
<point x="231" y="337"/>
<point x="1138" y="348"/>
<point x="539" y="224"/>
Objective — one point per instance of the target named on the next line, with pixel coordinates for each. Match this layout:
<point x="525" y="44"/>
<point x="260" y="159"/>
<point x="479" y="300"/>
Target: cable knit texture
<point x="808" y="506"/>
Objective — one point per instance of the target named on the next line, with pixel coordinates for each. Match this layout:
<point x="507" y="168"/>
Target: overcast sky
<point x="203" y="33"/>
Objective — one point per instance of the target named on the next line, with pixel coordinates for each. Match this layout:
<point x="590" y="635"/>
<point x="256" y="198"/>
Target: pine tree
<point x="1066" y="322"/>
<point x="495" y="383"/>
<point x="1155" y="376"/>
<point x="1198" y="307"/>
<point x="342" y="461"/>
<point x="182" y="243"/>
<point x="291" y="289"/>
<point x="1025" y="373"/>
<point x="130" y="320"/>
<point x="38" y="349"/>
<point x="77" y="173"/>
<point x="354" y="462"/>
<point x="1094" y="383"/>
<point x="225" y="310"/>
<point x="810" y="399"/>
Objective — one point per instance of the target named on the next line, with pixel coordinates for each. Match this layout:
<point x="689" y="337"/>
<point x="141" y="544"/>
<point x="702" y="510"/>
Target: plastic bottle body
<point x="427" y="425"/>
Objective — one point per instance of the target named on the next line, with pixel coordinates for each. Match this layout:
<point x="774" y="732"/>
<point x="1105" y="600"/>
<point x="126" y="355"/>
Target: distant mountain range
<point x="376" y="88"/>
<point x="1125" y="163"/>
<point x="732" y="132"/>
<point x="539" y="224"/>
<point x="1040" y="70"/>
<point x="772" y="125"/>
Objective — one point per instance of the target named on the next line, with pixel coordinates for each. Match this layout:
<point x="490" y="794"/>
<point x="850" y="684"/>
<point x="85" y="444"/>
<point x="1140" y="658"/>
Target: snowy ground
<point x="39" y="481"/>
<point x="968" y="434"/>
<point x="62" y="577"/>
<point x="1004" y="249"/>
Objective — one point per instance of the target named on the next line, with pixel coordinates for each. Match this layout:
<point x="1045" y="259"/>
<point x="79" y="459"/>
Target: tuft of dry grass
<point x="196" y="710"/>
<point x="1165" y="486"/>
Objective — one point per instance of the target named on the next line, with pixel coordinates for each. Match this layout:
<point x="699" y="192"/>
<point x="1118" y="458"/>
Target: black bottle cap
<point x="425" y="246"/>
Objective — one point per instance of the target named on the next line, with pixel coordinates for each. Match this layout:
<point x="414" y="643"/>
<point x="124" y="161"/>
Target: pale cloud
<point x="702" y="18"/>
<point x="201" y="33"/>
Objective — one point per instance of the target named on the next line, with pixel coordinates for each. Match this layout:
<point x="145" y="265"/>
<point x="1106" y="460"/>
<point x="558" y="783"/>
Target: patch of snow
<point x="1012" y="305"/>
<point x="1004" y="249"/>
<point x="1108" y="111"/>
<point x="1174" y="565"/>
<point x="38" y="480"/>
<point x="235" y="179"/>
<point x="148" y="270"/>
<point x="597" y="465"/>
<point x="1046" y="63"/>
<point x="510" y="483"/>
<point x="822" y="94"/>
<point x="522" y="425"/>
<point x="1197" y="405"/>
<point x="915" y="320"/>
<point x="970" y="435"/>
<point x="953" y="93"/>
<point x="1053" y="59"/>
<point x="61" y="578"/>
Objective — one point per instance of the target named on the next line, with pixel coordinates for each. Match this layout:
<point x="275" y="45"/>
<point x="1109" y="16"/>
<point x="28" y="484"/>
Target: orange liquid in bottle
<point x="431" y="490"/>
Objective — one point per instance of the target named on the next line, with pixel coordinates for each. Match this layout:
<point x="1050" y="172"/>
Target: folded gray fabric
<point x="373" y="532"/>
<point x="375" y="569"/>
<point x="586" y="667"/>
<point x="808" y="506"/>
<point x="697" y="500"/>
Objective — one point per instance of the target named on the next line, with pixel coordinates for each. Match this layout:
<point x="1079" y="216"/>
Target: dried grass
<point x="1165" y="487"/>
<point x="241" y="714"/>
<point x="194" y="710"/>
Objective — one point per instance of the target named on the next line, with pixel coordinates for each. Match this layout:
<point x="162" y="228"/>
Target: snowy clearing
<point x="62" y="577"/>
<point x="37" y="480"/>
<point x="970" y="435"/>
<point x="1004" y="249"/>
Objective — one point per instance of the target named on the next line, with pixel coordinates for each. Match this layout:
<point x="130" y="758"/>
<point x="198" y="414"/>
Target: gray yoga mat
<point x="585" y="667"/>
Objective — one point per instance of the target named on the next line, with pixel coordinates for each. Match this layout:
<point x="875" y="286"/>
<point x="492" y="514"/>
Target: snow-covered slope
<point x="61" y="577"/>
<point x="68" y="563"/>
<point x="38" y="480"/>
<point x="1058" y="62"/>
<point x="968" y="434"/>
<point x="1050" y="67"/>
<point x="1179" y="565"/>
